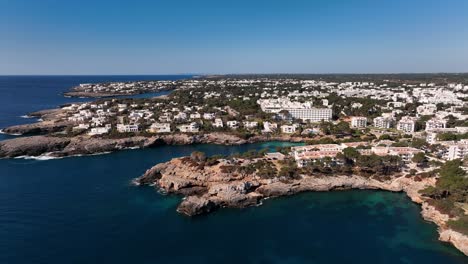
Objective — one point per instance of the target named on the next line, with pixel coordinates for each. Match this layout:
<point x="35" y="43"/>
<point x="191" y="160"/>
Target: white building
<point x="232" y="124"/>
<point x="383" y="122"/>
<point x="462" y="130"/>
<point x="457" y="151"/>
<point x="312" y="114"/>
<point x="209" y="116"/>
<point x="358" y="122"/>
<point x="435" y="123"/>
<point x="250" y="124"/>
<point x="407" y="124"/>
<point x="195" y="116"/>
<point x="160" y="128"/>
<point x="297" y="110"/>
<point x="305" y="154"/>
<point x="99" y="131"/>
<point x="189" y="128"/>
<point x="218" y="122"/>
<point x="426" y="109"/>
<point x="289" y="129"/>
<point x="181" y="116"/>
<point x="127" y="128"/>
<point x="81" y="127"/>
<point x="269" y="127"/>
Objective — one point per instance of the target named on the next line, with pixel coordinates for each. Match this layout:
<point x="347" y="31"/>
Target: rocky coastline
<point x="61" y="146"/>
<point x="46" y="137"/>
<point x="206" y="189"/>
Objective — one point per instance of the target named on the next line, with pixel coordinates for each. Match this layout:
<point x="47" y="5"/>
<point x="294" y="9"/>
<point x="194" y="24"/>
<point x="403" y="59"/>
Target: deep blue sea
<point x="84" y="209"/>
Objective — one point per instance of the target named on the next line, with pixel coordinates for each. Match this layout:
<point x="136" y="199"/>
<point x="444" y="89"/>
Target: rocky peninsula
<point x="63" y="146"/>
<point x="206" y="188"/>
<point x="111" y="89"/>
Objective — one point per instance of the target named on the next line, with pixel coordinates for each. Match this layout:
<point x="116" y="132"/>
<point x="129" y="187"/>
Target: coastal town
<point x="388" y="116"/>
<point x="376" y="130"/>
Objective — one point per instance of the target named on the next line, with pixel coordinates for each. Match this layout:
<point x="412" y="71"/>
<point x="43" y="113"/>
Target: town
<point x="391" y="117"/>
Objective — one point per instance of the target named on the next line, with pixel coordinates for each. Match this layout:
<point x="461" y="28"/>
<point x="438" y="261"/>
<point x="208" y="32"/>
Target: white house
<point x="122" y="128"/>
<point x="160" y="128"/>
<point x="181" y="116"/>
<point x="99" y="131"/>
<point x="195" y="116"/>
<point x="289" y="129"/>
<point x="189" y="128"/>
<point x="209" y="116"/>
<point x="407" y="124"/>
<point x="81" y="127"/>
<point x="218" y="122"/>
<point x="250" y="124"/>
<point x="232" y="124"/>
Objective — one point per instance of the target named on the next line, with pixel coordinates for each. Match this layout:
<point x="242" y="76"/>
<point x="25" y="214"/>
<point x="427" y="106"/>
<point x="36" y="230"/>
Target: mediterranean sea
<point x="85" y="210"/>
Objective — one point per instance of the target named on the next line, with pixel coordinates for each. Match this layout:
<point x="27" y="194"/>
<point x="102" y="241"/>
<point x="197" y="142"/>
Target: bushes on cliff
<point x="420" y="159"/>
<point x="450" y="193"/>
<point x="265" y="169"/>
<point x="373" y="164"/>
<point x="460" y="225"/>
<point x="289" y="169"/>
<point x="198" y="156"/>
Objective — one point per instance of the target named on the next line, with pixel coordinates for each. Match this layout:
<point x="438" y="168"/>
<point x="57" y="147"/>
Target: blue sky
<point x="207" y="36"/>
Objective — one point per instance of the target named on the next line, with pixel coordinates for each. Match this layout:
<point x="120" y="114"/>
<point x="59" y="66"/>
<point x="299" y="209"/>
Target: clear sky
<point x="242" y="36"/>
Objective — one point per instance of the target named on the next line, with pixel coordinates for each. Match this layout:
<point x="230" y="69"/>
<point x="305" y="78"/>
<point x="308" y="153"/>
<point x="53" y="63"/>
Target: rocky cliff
<point x="208" y="188"/>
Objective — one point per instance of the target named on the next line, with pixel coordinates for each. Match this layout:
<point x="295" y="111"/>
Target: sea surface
<point x="85" y="210"/>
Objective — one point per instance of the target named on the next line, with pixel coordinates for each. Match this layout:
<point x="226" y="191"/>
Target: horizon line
<point x="226" y="74"/>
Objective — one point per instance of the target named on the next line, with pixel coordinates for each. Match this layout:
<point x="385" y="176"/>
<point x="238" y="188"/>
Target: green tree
<point x="420" y="159"/>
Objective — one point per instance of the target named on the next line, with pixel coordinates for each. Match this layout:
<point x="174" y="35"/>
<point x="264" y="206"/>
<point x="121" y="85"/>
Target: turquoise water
<point x="84" y="210"/>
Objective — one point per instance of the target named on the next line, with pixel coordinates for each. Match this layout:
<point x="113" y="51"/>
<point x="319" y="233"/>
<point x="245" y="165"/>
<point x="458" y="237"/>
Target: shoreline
<point x="207" y="190"/>
<point x="37" y="146"/>
<point x="76" y="93"/>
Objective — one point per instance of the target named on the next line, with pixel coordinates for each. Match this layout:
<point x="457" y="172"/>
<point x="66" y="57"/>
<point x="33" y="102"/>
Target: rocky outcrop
<point x="48" y="114"/>
<point x="459" y="240"/>
<point x="89" y="145"/>
<point x="31" y="146"/>
<point x="45" y="127"/>
<point x="195" y="205"/>
<point x="237" y="190"/>
<point x="217" y="188"/>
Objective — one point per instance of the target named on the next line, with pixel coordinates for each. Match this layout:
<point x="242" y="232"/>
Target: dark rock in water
<point x="195" y="205"/>
<point x="31" y="146"/>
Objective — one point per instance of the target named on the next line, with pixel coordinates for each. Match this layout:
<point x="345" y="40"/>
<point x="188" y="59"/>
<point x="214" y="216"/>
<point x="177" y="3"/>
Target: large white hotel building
<point x="298" y="110"/>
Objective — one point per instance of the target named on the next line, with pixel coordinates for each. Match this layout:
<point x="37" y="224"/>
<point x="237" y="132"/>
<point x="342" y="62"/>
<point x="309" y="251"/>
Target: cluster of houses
<point x="293" y="103"/>
<point x="129" y="87"/>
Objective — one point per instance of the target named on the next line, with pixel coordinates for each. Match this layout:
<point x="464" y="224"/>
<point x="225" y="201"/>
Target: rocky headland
<point x="208" y="188"/>
<point x="62" y="146"/>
